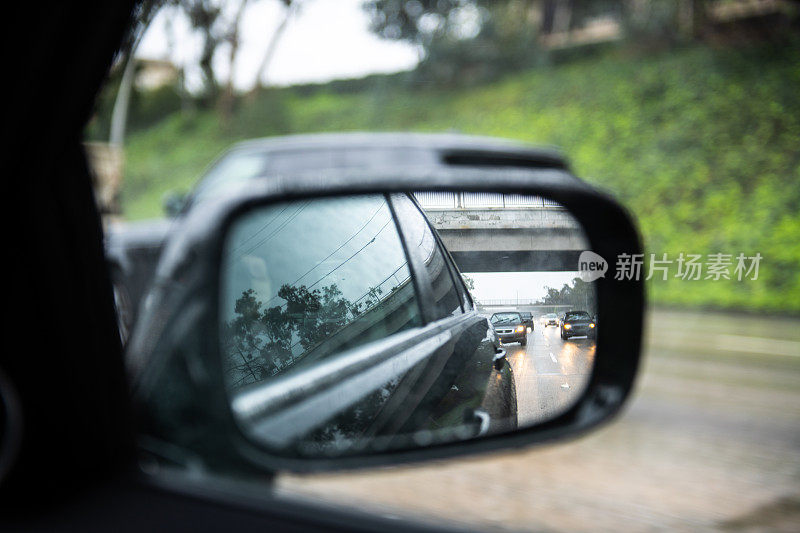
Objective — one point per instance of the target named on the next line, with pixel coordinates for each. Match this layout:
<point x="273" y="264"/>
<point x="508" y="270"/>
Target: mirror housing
<point x="174" y="203"/>
<point x="174" y="351"/>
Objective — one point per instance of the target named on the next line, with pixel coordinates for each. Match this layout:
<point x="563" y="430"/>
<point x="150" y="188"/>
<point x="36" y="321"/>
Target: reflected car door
<point x="471" y="382"/>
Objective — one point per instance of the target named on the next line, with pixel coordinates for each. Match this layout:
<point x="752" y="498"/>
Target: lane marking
<point x="741" y="343"/>
<point x="553" y="357"/>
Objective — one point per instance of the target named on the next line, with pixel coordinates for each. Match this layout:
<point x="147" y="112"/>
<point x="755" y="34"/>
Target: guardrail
<point x="531" y="305"/>
<point x="482" y="200"/>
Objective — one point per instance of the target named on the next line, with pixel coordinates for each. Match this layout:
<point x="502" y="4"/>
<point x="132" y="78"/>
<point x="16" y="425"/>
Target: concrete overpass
<point x="492" y="306"/>
<point x="488" y="232"/>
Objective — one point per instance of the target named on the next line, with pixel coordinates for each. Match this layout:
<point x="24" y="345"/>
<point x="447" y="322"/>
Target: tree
<point x="418" y="22"/>
<point x="290" y="7"/>
<point x="579" y="295"/>
<point x="659" y="23"/>
<point x="232" y="38"/>
<point x="203" y="17"/>
<point x="119" y="114"/>
<point x="469" y="282"/>
<point x="462" y="40"/>
<point x="259" y="342"/>
<point x="219" y="23"/>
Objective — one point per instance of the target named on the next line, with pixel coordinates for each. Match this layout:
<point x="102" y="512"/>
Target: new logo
<point x="591" y="266"/>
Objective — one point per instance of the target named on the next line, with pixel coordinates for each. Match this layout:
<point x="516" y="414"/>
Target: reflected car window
<point x="463" y="292"/>
<point x="577" y="315"/>
<point x="305" y="280"/>
<point x="422" y="241"/>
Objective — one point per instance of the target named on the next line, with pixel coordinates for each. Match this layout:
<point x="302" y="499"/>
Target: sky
<point x="341" y="47"/>
<point x="512" y="285"/>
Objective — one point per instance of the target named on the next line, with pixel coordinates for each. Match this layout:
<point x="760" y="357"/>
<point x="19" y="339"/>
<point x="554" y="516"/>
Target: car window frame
<point x="455" y="274"/>
<point x="418" y="267"/>
<point x="467" y="303"/>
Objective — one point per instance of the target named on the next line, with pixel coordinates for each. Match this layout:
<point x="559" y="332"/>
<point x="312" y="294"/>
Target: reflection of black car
<point x="509" y="327"/>
<point x="577" y="324"/>
<point x="527" y="319"/>
<point x="133" y="249"/>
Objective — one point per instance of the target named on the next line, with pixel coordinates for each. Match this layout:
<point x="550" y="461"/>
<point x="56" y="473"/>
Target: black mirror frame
<point x="607" y="225"/>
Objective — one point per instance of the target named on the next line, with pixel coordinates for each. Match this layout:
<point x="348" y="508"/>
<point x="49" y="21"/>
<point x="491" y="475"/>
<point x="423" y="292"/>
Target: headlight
<point x="567" y="326"/>
<point x="591" y="325"/>
<point x="520" y="329"/>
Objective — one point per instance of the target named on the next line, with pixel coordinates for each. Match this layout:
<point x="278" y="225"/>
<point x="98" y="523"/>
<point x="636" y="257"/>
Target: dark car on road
<point x="527" y="319"/>
<point x="510" y="327"/>
<point x="577" y="324"/>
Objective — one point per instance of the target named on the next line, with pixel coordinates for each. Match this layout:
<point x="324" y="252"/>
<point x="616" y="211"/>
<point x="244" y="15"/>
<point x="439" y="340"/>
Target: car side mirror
<point x="308" y="324"/>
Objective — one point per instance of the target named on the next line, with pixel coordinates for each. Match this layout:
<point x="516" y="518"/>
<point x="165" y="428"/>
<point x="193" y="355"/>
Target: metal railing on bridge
<point x="517" y="302"/>
<point x="497" y="302"/>
<point x="482" y="200"/>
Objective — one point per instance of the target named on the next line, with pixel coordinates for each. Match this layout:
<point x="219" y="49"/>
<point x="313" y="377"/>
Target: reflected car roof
<point x="453" y="148"/>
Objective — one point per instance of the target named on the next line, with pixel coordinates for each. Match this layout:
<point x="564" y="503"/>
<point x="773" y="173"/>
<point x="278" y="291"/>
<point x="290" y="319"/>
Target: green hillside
<point x="702" y="145"/>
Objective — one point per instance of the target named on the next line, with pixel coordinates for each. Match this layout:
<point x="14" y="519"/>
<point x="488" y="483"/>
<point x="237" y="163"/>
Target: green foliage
<point x="169" y="157"/>
<point x="150" y="107"/>
<point x="469" y="282"/>
<point x="258" y="341"/>
<point x="146" y="108"/>
<point x="463" y="41"/>
<point x="579" y="295"/>
<point x="267" y="111"/>
<point x="703" y="146"/>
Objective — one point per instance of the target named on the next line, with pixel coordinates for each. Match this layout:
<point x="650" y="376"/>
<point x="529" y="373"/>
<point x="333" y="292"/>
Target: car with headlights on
<point x="509" y="327"/>
<point x="527" y="319"/>
<point x="577" y="324"/>
<point x="550" y="319"/>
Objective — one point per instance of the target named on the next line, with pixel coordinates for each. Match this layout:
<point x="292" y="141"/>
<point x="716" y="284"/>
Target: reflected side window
<point x="421" y="241"/>
<point x="305" y="281"/>
<point x="463" y="292"/>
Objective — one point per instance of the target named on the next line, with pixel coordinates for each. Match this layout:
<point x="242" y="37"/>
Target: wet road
<point x="549" y="373"/>
<point x="710" y="441"/>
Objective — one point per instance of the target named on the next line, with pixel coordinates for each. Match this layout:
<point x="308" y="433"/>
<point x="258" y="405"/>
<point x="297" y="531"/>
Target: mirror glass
<point x="360" y="324"/>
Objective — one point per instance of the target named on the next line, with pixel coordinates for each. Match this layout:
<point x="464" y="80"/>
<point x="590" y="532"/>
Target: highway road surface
<point x="549" y="373"/>
<point x="709" y="442"/>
